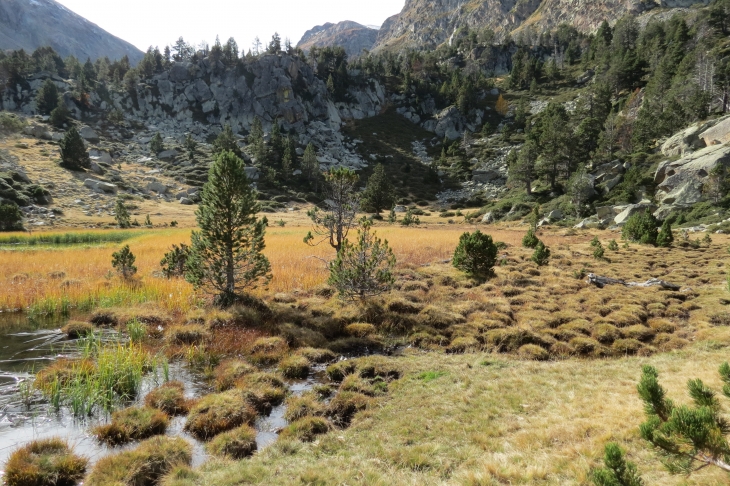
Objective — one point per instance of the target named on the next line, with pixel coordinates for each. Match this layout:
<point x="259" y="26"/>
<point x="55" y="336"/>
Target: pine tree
<point x="617" y="471"/>
<point x="175" y="261"/>
<point x="287" y="160"/>
<point x="121" y="215"/>
<point x="530" y="240"/>
<point x="123" y="262"/>
<point x="11" y="218"/>
<point x="226" y="142"/>
<point x="310" y="165"/>
<point x="687" y="437"/>
<point x="334" y="222"/>
<point x="541" y="256"/>
<point x="641" y="227"/>
<point x="665" y="238"/>
<point x="59" y="115"/>
<point x="156" y="144"/>
<point x="47" y="97"/>
<point x="379" y="193"/>
<point x="365" y="268"/>
<point x="191" y="146"/>
<point x="521" y="166"/>
<point x="226" y="256"/>
<point x="475" y="254"/>
<point x="73" y="151"/>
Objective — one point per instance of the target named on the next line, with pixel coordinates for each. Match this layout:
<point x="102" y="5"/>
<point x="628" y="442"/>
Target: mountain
<point x="29" y="24"/>
<point x="429" y="23"/>
<point x="352" y="36"/>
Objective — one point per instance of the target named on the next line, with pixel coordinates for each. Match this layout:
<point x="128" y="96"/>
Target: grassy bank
<point x="481" y="419"/>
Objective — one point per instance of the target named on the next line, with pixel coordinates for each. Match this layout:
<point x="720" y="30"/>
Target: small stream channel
<point x="28" y="345"/>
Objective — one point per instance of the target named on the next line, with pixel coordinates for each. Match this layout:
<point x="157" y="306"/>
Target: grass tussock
<point x="295" y="367"/>
<point x="230" y="371"/>
<point x="44" y="462"/>
<point x="130" y="424"/>
<point x="306" y="429"/>
<point x="142" y="466"/>
<point x="77" y="329"/>
<point x="235" y="444"/>
<point x="217" y="413"/>
<point x="170" y="398"/>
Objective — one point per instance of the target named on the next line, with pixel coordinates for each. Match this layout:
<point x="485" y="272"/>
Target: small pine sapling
<point x="476" y="255"/>
<point x="665" y="237"/>
<point x="123" y="262"/>
<point x="410" y="219"/>
<point x="612" y="245"/>
<point x="174" y="262"/>
<point x="363" y="269"/>
<point x="121" y="215"/>
<point x="688" y="437"/>
<point x="598" y="251"/>
<point x="530" y="240"/>
<point x="617" y="471"/>
<point x="541" y="256"/>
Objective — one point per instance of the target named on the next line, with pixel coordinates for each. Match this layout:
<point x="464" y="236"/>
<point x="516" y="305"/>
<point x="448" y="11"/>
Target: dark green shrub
<point x="641" y="227"/>
<point x="175" y="261"/>
<point x="541" y="256"/>
<point x="618" y="471"/>
<point x="476" y="254"/>
<point x="530" y="240"/>
<point x="73" y="151"/>
<point x="123" y="262"/>
<point x="11" y="218"/>
<point x="665" y="238"/>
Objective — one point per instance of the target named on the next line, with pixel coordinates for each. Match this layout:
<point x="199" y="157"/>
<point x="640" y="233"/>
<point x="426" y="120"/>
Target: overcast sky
<point x="147" y="23"/>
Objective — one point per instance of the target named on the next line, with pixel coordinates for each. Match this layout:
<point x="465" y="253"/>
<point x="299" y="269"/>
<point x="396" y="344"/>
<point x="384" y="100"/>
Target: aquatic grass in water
<point x="137" y="331"/>
<point x="115" y="378"/>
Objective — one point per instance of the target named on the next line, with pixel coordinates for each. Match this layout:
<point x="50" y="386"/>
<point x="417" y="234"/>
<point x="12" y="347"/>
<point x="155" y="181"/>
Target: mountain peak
<point x="30" y="24"/>
<point x="352" y="36"/>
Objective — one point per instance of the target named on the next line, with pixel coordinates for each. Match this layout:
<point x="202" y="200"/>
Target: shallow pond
<point x="26" y="346"/>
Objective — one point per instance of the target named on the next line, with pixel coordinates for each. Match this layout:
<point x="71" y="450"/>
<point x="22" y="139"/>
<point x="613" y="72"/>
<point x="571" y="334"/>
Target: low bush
<point x="236" y="444"/>
<point x="44" y="462"/>
<point x="641" y="227"/>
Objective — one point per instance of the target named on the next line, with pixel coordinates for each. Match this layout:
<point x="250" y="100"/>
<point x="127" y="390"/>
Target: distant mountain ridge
<point x="430" y="23"/>
<point x="353" y="37"/>
<point x="30" y="24"/>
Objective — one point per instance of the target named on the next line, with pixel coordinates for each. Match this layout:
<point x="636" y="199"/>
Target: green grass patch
<point x="428" y="376"/>
<point x="67" y="239"/>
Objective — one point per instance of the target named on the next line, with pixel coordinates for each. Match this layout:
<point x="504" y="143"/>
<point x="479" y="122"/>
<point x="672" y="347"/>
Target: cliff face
<point x="350" y="35"/>
<point x="430" y="23"/>
<point x="29" y="24"/>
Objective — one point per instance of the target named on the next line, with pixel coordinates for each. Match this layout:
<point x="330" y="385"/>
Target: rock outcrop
<point x="30" y="24"/>
<point x="352" y="36"/>
<point x="680" y="183"/>
<point x="428" y="23"/>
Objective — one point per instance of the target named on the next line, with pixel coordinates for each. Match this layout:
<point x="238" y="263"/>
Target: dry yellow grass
<point x="45" y="277"/>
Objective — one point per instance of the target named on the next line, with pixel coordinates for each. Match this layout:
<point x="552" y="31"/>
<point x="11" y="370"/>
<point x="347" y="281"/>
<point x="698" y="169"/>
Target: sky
<point x="146" y="23"/>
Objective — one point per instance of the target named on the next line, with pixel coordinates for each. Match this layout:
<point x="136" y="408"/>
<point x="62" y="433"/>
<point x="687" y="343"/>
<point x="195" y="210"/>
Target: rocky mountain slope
<point x="430" y="23"/>
<point x="29" y="24"/>
<point x="350" y="35"/>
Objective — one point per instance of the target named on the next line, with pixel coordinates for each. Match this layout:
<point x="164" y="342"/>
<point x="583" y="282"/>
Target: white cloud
<point x="147" y="23"/>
